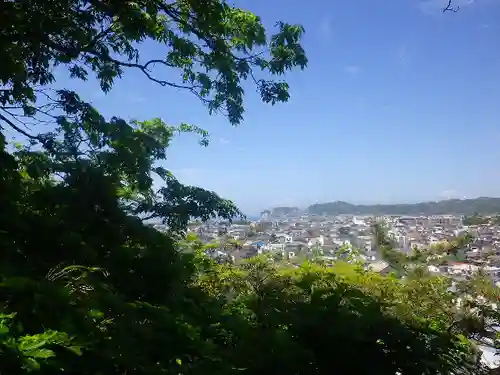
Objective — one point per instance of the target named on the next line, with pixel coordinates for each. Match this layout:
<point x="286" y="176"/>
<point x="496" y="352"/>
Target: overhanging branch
<point x="19" y="130"/>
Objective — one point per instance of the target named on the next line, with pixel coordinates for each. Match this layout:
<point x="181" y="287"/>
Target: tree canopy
<point x="86" y="287"/>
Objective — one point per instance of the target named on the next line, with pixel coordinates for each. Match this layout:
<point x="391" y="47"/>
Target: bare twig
<point x="19" y="130"/>
<point x="450" y="8"/>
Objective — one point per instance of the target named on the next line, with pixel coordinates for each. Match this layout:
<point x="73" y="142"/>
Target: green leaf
<point x="39" y="353"/>
<point x="4" y="329"/>
<point x="30" y="364"/>
<point x="75" y="349"/>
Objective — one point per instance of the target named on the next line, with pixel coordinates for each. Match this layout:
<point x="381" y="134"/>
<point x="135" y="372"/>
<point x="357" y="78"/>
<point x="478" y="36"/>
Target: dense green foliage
<point x="87" y="288"/>
<point x="436" y="254"/>
<point x="475" y="219"/>
<point x="482" y="205"/>
<point x="469" y="302"/>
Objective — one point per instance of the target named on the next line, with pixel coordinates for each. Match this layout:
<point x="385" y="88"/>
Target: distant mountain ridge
<point x="481" y="206"/>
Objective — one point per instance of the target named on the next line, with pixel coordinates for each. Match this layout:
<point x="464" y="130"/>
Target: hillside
<point x="482" y="206"/>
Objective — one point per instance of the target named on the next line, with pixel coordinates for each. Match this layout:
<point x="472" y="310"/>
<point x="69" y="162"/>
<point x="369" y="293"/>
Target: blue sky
<point x="400" y="103"/>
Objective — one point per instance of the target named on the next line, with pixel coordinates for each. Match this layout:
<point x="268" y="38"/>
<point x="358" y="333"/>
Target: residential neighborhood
<point x="348" y="237"/>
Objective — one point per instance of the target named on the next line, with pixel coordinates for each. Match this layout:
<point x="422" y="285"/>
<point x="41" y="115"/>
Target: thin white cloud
<point x="224" y="141"/>
<point x="352" y="69"/>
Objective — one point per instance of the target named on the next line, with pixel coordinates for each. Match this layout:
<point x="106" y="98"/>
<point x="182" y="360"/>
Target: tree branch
<point x="450" y="8"/>
<point x="19" y="130"/>
<point x="142" y="67"/>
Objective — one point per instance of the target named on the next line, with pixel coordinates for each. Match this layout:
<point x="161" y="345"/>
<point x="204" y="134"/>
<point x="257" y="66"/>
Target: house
<point x="220" y="256"/>
<point x="381" y="267"/>
<point x="319" y="240"/>
<point x="460" y="268"/>
<point x="275" y="247"/>
<point x="258" y="245"/>
<point x="294" y="246"/>
<point x="433" y="269"/>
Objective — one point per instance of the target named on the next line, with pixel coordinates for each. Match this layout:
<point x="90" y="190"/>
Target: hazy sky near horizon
<point x="399" y="103"/>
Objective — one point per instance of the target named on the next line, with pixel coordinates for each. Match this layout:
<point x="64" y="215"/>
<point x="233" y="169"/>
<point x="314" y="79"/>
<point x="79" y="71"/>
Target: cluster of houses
<point x="300" y="238"/>
<point x="351" y="237"/>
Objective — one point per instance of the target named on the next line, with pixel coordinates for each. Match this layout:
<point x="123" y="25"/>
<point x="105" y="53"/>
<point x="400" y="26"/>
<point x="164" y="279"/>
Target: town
<point x="213" y="187"/>
<point x="351" y="238"/>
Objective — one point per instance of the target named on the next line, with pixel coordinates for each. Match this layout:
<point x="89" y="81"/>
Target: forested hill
<point x="482" y="205"/>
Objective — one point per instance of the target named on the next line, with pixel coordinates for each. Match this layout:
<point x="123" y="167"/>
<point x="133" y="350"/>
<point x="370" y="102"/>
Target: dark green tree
<point x="296" y="313"/>
<point x="85" y="286"/>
